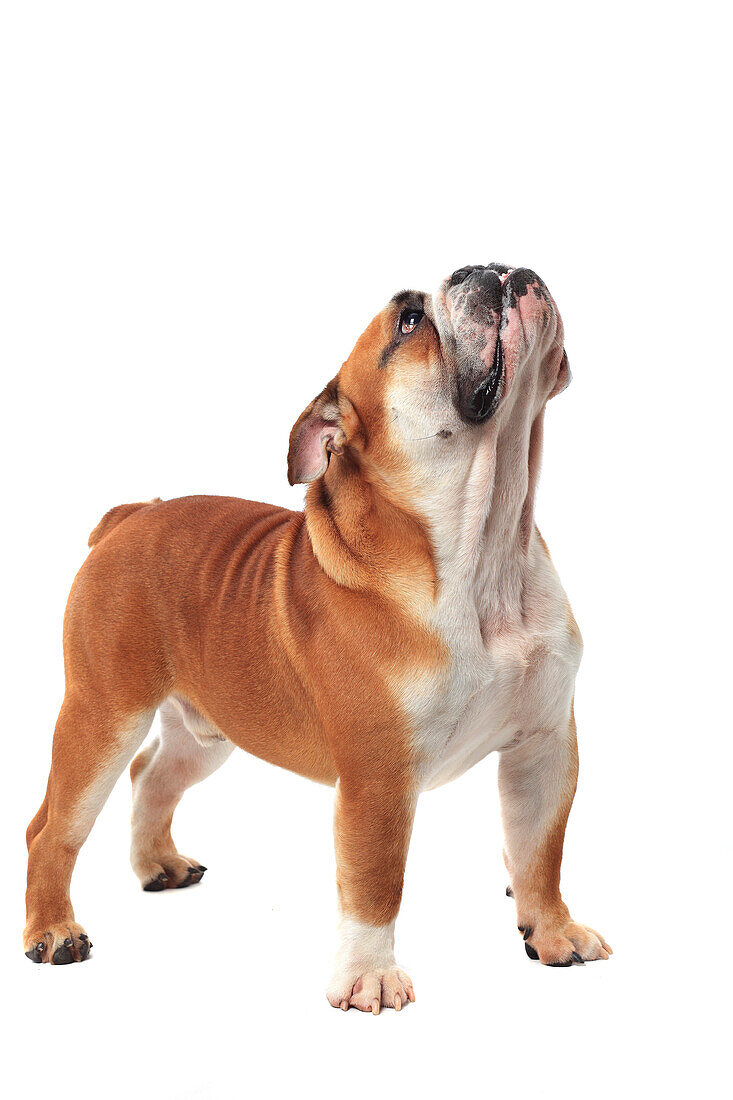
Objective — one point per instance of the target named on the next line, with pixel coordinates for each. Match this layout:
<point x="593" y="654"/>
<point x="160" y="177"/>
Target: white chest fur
<point x="515" y="682"/>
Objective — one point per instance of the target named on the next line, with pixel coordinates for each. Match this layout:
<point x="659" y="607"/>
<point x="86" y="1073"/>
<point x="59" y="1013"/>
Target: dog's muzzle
<point x="471" y="304"/>
<point x="475" y="308"/>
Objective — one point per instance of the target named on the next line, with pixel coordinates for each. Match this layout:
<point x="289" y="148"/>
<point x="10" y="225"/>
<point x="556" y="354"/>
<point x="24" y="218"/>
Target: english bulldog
<point x="405" y="624"/>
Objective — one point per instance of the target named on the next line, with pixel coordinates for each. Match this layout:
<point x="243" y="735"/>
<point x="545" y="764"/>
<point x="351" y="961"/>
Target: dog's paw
<point x="57" y="944"/>
<point x="388" y="988"/>
<point x="170" y="872"/>
<point x="563" y="943"/>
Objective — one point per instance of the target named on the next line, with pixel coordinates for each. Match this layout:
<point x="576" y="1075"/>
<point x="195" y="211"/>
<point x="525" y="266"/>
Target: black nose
<point x="478" y="290"/>
<point x="463" y="273"/>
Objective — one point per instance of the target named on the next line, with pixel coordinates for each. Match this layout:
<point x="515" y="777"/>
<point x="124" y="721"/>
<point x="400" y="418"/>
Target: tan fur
<point x="115" y="516"/>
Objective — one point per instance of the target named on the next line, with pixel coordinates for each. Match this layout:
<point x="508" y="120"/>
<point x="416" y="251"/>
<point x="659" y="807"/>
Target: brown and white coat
<point x="405" y="625"/>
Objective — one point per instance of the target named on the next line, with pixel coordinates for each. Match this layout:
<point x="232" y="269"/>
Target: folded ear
<point x="564" y="377"/>
<point x="316" y="433"/>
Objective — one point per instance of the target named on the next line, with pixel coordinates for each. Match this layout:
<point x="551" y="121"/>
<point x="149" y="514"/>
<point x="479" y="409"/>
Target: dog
<point x="383" y="641"/>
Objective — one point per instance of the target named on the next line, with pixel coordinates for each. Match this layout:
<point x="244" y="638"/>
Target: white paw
<point x="389" y="987"/>
<point x="365" y="975"/>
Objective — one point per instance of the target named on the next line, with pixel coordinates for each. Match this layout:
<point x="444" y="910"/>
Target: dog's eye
<point x="409" y="320"/>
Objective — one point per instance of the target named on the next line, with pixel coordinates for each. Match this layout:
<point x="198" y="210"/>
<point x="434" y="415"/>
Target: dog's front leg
<point x="537" y="781"/>
<point x="372" y="834"/>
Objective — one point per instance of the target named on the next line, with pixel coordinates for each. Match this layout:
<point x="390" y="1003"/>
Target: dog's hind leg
<point x="185" y="753"/>
<point x="92" y="745"/>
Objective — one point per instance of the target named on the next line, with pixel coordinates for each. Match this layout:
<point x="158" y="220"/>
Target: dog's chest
<point x="493" y="692"/>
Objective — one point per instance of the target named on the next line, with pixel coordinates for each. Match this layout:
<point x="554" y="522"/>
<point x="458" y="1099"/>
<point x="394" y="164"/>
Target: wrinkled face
<point x="432" y="375"/>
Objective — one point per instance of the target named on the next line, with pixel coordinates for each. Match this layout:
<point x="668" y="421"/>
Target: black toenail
<point x="62" y="956"/>
<point x="531" y="951"/>
<point x="36" y="953"/>
<point x="83" y="936"/>
<point x="158" y="883"/>
<point x="67" y="942"/>
<point x="202" y="868"/>
<point x="509" y="892"/>
<point x="577" y="958"/>
<point x="527" y="932"/>
<point x="568" y="963"/>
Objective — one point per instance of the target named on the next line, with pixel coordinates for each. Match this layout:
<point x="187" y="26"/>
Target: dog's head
<point x="431" y="376"/>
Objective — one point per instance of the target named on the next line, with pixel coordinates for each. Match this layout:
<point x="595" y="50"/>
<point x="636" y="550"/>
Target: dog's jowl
<point x="384" y="640"/>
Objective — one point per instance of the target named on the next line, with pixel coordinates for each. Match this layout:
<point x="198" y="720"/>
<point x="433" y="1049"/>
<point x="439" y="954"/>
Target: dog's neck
<point x="481" y="516"/>
<point x="366" y="540"/>
<point x="461" y="541"/>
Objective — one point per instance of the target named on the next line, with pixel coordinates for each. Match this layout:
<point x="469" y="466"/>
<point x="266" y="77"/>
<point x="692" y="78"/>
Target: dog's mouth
<point x="486" y="397"/>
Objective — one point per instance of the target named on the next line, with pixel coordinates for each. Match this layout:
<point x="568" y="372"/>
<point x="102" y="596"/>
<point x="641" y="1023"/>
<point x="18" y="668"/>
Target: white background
<point x="202" y="207"/>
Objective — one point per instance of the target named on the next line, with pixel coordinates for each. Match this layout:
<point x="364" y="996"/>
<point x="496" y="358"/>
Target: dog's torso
<point x="258" y="645"/>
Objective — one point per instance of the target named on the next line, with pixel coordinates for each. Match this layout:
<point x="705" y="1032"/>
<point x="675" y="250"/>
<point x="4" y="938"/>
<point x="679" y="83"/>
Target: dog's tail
<point x="115" y="516"/>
